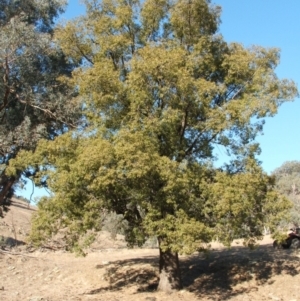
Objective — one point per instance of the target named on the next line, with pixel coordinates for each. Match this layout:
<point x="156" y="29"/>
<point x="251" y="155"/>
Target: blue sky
<point x="268" y="23"/>
<point x="271" y="24"/>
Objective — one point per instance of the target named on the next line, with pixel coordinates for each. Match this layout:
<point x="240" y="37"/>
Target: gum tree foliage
<point x="34" y="104"/>
<point x="288" y="183"/>
<point x="161" y="89"/>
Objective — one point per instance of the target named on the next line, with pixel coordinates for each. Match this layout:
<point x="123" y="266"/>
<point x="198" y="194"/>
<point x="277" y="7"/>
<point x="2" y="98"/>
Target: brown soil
<point x="111" y="274"/>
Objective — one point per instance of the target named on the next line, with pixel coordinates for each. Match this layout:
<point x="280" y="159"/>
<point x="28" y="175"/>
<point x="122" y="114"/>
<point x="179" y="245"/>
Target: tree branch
<point x="184" y="123"/>
<point x="5" y="80"/>
<point x="48" y="112"/>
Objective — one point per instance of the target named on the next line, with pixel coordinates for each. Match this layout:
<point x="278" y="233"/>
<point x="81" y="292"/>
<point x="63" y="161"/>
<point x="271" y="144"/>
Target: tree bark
<point x="5" y="187"/>
<point x="169" y="272"/>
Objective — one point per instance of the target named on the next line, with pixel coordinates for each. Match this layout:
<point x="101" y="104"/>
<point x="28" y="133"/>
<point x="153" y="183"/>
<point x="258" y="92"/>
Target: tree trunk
<point x="5" y="187"/>
<point x="169" y="272"/>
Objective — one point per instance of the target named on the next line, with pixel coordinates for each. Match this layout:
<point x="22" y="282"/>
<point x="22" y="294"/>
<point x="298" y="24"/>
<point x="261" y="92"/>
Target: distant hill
<point x="15" y="225"/>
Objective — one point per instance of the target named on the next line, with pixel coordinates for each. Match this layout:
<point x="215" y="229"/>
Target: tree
<point x="34" y="103"/>
<point x="161" y="88"/>
<point x="288" y="183"/>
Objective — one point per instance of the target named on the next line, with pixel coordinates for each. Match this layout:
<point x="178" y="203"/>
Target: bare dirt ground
<point x="110" y="272"/>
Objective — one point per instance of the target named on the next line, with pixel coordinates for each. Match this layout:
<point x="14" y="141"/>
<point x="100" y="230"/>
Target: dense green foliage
<point x="288" y="183"/>
<point x="160" y="89"/>
<point x="34" y="103"/>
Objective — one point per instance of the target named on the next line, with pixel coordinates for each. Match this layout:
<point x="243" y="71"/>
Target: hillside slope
<point x="15" y="225"/>
<point x="111" y="272"/>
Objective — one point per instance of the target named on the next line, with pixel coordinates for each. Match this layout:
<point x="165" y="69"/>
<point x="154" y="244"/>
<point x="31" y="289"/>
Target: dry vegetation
<point x="111" y="272"/>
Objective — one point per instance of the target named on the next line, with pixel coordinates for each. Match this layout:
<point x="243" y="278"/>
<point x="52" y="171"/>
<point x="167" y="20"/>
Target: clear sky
<point x="271" y="23"/>
<point x="268" y="23"/>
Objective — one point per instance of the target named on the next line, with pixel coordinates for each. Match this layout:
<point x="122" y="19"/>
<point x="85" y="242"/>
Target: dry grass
<point x="121" y="274"/>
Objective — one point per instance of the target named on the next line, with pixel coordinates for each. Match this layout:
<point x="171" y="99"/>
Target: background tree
<point x="34" y="104"/>
<point x="161" y="88"/>
<point x="288" y="183"/>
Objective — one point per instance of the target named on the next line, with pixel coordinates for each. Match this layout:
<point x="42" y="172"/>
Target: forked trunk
<point x="169" y="272"/>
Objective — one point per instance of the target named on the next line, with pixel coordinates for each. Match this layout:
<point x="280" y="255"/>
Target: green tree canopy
<point x="34" y="103"/>
<point x="161" y="88"/>
<point x="288" y="183"/>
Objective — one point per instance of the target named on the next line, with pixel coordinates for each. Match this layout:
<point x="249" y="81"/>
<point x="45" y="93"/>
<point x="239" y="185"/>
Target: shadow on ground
<point x="140" y="272"/>
<point x="221" y="274"/>
<point x="23" y="205"/>
<point x="221" y="271"/>
<point x="10" y="242"/>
